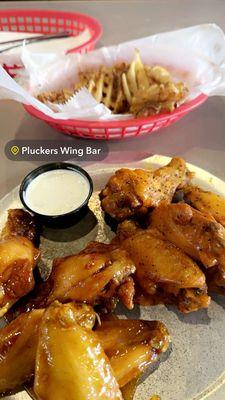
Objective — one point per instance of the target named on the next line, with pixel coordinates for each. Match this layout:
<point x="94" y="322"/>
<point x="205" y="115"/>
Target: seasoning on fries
<point x="134" y="88"/>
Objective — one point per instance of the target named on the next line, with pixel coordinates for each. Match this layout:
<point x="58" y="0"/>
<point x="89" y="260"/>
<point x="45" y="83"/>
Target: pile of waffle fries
<point x="127" y="88"/>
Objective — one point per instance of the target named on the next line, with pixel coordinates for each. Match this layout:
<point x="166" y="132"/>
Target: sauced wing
<point x="21" y="223"/>
<point x="215" y="277"/>
<point x="164" y="272"/>
<point x="131" y="345"/>
<point x="95" y="275"/>
<point x="161" y="262"/>
<point x="18" y="257"/>
<point x="101" y="274"/>
<point x="19" y="339"/>
<point x="125" y="230"/>
<point x="70" y="362"/>
<point x="197" y="234"/>
<point x="206" y="202"/>
<point x="130" y="192"/>
<point x="18" y="344"/>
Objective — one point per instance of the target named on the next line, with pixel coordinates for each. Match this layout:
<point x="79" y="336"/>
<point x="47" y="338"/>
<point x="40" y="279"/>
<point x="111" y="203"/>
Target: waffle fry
<point x="127" y="88"/>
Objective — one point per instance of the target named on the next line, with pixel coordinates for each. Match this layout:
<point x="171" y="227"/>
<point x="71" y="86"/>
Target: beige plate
<point x="194" y="368"/>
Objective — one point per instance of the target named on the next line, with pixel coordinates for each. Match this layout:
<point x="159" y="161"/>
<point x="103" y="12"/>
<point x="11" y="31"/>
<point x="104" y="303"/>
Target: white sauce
<point x="57" y="192"/>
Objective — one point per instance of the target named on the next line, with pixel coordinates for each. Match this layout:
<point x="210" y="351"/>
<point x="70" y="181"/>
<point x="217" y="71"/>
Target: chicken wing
<point x="163" y="272"/>
<point x="18" y="344"/>
<point x="98" y="275"/>
<point x="206" y="202"/>
<point x="131" y="345"/>
<point x="70" y="362"/>
<point x="132" y="192"/>
<point x="215" y="278"/>
<point x="197" y="234"/>
<point x="18" y="258"/>
<point x="95" y="276"/>
<point x="21" y="223"/>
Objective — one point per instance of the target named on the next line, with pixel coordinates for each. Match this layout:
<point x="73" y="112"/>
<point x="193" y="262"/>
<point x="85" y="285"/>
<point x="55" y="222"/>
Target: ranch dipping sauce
<point x="57" y="192"/>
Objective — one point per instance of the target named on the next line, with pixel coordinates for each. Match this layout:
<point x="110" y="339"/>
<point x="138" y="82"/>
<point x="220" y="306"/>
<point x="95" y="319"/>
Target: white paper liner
<point x="195" y="55"/>
<point x="57" y="46"/>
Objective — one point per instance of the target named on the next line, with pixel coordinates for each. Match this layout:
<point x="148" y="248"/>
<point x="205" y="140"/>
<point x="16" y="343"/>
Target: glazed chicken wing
<point x="70" y="362"/>
<point x="206" y="202"/>
<point x="68" y="350"/>
<point x="18" y="344"/>
<point x="132" y="192"/>
<point x="21" y="223"/>
<point x="215" y="277"/>
<point x="131" y="345"/>
<point x="163" y="272"/>
<point x="197" y="234"/>
<point x="96" y="276"/>
<point x="18" y="258"/>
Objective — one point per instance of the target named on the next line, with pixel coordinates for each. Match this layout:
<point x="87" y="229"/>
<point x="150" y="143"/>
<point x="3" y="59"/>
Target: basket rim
<point x="92" y="124"/>
<point x="93" y="22"/>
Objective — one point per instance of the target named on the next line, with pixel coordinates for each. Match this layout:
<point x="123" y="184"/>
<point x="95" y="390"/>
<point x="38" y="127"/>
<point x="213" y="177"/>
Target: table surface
<point x="198" y="137"/>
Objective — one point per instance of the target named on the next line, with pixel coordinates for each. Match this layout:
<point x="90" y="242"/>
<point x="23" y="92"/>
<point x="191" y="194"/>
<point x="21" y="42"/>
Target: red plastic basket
<point x="49" y="21"/>
<point x="108" y="130"/>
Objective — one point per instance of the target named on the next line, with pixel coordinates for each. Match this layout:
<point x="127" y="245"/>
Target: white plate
<point x="194" y="368"/>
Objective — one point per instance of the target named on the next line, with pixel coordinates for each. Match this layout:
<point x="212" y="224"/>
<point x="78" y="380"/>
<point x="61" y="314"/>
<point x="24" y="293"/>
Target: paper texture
<point x="195" y="55"/>
<point x="58" y="46"/>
